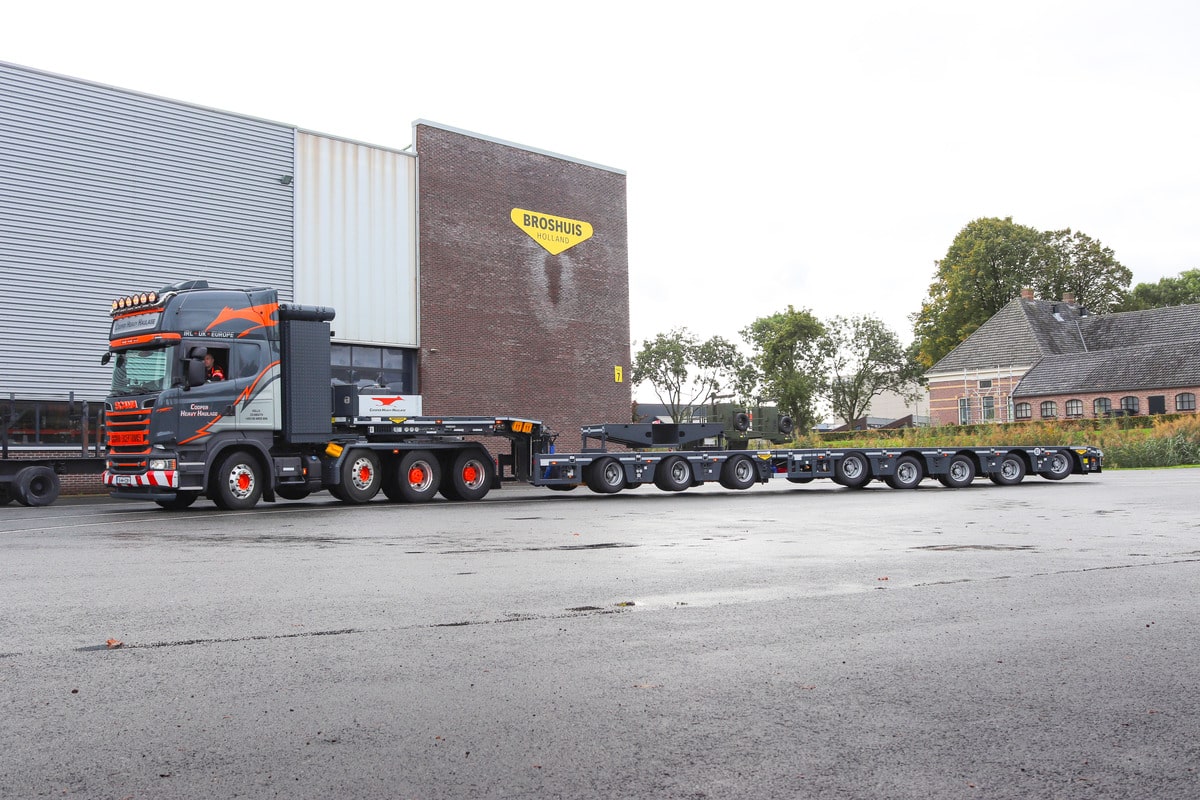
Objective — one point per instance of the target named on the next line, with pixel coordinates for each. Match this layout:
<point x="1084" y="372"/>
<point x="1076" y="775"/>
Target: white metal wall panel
<point x="356" y="243"/>
<point x="104" y="192"/>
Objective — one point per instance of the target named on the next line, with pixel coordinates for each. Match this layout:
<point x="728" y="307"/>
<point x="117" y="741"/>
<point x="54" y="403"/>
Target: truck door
<point x="255" y="376"/>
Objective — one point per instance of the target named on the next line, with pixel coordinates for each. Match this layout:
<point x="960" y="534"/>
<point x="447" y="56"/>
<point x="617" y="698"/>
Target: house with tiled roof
<point x="1043" y="359"/>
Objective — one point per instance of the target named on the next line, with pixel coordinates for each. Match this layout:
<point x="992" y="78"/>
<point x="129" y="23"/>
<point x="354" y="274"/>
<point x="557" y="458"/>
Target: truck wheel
<point x="237" y="483"/>
<point x="738" y="473"/>
<point x="470" y="477"/>
<point x="361" y="477"/>
<point x="1011" y="472"/>
<point x="908" y="474"/>
<point x="5" y="495"/>
<point x="673" y="474"/>
<point x="1060" y="466"/>
<point x="959" y="473"/>
<point x="293" y="492"/>
<point x="36" y="486"/>
<point x="182" y="500"/>
<point x="416" y="478"/>
<point x="606" y="476"/>
<point x="852" y="471"/>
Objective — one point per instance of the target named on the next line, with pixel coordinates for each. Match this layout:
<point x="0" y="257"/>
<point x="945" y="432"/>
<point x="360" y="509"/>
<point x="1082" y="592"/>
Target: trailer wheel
<point x="36" y="486"/>
<point x="361" y="477"/>
<point x="959" y="473"/>
<point x="673" y="474"/>
<point x="470" y="477"/>
<point x="1060" y="466"/>
<point x="237" y="483"/>
<point x="5" y="495"/>
<point x="605" y="476"/>
<point x="416" y="478"/>
<point x="908" y="474"/>
<point x="1011" y="472"/>
<point x="852" y="471"/>
<point x="738" y="473"/>
<point x="182" y="500"/>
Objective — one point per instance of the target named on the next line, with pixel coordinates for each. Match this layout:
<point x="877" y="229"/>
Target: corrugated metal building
<point x="105" y="191"/>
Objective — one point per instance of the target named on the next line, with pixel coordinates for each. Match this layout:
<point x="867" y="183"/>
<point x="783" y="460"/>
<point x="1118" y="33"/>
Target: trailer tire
<point x="5" y="495"/>
<point x="470" y="476"/>
<point x="1060" y="466"/>
<point x="237" y="482"/>
<point x="908" y="474"/>
<point x="853" y="471"/>
<point x="673" y="474"/>
<point x="416" y="478"/>
<point x="361" y="477"/>
<point x="960" y="472"/>
<point x="1011" y="472"/>
<point x="606" y="476"/>
<point x="739" y="472"/>
<point x="36" y="486"/>
<point x="181" y="501"/>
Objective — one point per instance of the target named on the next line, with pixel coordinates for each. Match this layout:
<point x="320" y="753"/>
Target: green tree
<point x="1178" y="291"/>
<point x="789" y="355"/>
<point x="1080" y="265"/>
<point x="685" y="372"/>
<point x="865" y="358"/>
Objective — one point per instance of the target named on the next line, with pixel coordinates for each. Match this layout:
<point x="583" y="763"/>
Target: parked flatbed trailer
<point x="35" y="481"/>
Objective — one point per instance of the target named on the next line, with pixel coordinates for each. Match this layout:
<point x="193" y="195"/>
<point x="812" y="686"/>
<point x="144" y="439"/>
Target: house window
<point x="989" y="408"/>
<point x="985" y="384"/>
<point x="1101" y="406"/>
<point x="964" y="411"/>
<point x="1074" y="408"/>
<point x="1049" y="409"/>
<point x="1129" y="404"/>
<point x="1023" y="411"/>
<point x="1185" y="402"/>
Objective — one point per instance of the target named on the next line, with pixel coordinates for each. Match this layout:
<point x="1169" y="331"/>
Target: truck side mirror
<point x="195" y="373"/>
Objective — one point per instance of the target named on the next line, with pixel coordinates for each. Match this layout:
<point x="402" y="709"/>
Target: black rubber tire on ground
<point x="673" y="474"/>
<point x="960" y="472"/>
<point x="236" y="484"/>
<point x="908" y="474"/>
<point x="5" y="494"/>
<point x="35" y="486"/>
<point x="738" y="472"/>
<point x="1011" y="472"/>
<point x="415" y="479"/>
<point x="470" y="476"/>
<point x="292" y="492"/>
<point x="361" y="477"/>
<point x="181" y="501"/>
<point x="853" y="471"/>
<point x="563" y="487"/>
<point x="1060" y="466"/>
<point x="605" y="476"/>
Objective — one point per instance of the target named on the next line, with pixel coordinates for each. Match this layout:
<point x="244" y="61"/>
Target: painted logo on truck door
<point x="556" y="234"/>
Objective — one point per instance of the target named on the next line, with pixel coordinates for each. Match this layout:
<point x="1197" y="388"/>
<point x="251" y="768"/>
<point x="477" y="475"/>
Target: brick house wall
<point x="945" y="394"/>
<point x="507" y="327"/>
<point x="1088" y="400"/>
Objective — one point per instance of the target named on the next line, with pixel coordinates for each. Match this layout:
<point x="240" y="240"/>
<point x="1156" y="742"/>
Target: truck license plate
<point x="123" y="480"/>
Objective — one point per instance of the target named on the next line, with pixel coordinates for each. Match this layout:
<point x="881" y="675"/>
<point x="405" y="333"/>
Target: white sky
<point x="822" y="155"/>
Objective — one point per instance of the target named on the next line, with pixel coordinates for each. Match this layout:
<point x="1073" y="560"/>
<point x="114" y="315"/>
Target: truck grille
<point x="128" y="439"/>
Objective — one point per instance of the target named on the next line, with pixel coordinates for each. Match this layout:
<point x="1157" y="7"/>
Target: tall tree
<point x="685" y="372"/>
<point x="789" y="354"/>
<point x="865" y="358"/>
<point x="1181" y="290"/>
<point x="1077" y="263"/>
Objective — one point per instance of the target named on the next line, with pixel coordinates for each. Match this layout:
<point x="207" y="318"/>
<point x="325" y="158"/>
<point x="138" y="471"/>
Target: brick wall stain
<point x="506" y="327"/>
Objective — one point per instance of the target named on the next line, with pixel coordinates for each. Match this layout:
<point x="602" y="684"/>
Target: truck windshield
<point x="142" y="371"/>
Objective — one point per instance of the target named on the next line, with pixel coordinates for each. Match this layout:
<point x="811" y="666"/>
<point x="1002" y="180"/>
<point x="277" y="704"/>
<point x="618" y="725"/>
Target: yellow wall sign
<point x="618" y="374"/>
<point x="556" y="234"/>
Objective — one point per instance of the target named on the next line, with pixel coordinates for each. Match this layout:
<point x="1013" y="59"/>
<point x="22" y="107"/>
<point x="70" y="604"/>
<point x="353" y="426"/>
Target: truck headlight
<point x="162" y="463"/>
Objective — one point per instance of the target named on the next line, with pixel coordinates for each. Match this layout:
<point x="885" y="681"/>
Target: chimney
<point x="1027" y="293"/>
<point x="1069" y="298"/>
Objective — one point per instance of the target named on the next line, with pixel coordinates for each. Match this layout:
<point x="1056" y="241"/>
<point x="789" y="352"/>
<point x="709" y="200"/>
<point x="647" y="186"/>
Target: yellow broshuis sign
<point x="556" y="234"/>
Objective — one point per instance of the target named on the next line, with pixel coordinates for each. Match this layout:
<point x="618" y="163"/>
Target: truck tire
<point x="605" y="476"/>
<point x="1060" y="466"/>
<point x="416" y="478"/>
<point x="237" y="482"/>
<point x="1011" y="472"/>
<point x="908" y="474"/>
<point x="361" y="477"/>
<point x="182" y="500"/>
<point x="960" y="472"/>
<point x="852" y="471"/>
<point x="470" y="476"/>
<point x="673" y="474"/>
<point x="738" y="472"/>
<point x="5" y="494"/>
<point x="36" y="486"/>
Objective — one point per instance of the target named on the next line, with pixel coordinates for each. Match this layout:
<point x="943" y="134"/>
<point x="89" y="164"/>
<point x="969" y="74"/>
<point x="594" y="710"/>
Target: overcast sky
<point x="822" y="155"/>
